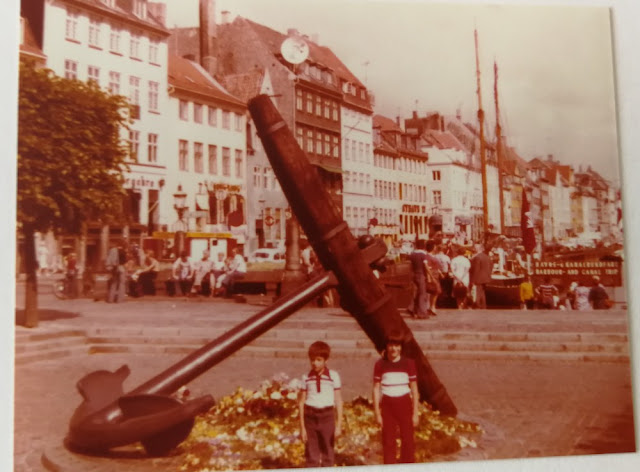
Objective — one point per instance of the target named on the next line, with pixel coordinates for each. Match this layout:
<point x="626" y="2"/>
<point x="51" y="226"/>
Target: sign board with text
<point x="565" y="272"/>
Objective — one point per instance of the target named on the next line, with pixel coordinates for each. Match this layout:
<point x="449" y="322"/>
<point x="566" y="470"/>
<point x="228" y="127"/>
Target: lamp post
<point x="180" y="205"/>
<point x="260" y="224"/>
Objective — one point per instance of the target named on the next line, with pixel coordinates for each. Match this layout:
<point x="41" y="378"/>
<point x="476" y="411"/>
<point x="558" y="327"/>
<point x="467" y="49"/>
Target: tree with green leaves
<point x="71" y="160"/>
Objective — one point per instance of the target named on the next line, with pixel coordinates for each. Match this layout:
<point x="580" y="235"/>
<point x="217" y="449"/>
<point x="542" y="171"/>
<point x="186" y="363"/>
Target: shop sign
<point x="140" y="182"/>
<point x="565" y="272"/>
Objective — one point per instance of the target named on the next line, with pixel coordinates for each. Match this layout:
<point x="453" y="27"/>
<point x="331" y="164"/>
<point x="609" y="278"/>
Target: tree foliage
<point x="71" y="157"/>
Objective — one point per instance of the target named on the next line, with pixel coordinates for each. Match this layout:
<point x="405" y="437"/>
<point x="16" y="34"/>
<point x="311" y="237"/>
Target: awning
<point x="335" y="170"/>
<point x="202" y="202"/>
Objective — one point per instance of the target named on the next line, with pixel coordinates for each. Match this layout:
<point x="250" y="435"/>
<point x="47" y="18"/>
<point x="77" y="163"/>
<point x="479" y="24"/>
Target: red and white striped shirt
<point x="321" y="388"/>
<point x="394" y="376"/>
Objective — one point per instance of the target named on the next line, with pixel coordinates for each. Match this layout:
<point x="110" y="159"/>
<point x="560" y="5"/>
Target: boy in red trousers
<point x="395" y="401"/>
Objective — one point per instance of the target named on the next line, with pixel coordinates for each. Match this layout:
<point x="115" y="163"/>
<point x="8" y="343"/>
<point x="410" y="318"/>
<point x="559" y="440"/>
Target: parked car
<point x="267" y="255"/>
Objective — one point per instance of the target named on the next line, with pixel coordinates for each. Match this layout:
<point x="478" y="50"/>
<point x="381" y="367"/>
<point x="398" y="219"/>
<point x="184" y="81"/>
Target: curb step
<point x="52" y="354"/>
<point x="52" y="344"/>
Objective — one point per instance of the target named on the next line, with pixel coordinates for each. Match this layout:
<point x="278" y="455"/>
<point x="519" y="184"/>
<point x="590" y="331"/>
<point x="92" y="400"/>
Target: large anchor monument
<point x="109" y="418"/>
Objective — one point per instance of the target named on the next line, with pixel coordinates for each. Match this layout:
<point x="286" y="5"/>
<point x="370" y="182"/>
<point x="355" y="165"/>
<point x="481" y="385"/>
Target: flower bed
<point x="260" y="430"/>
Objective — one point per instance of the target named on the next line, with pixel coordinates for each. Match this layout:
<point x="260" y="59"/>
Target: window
<point x="300" y="137"/>
<point x="114" y="83"/>
<point x="184" y="110"/>
<point x="437" y="197"/>
<point x="134" y="46"/>
<point x="71" y="27"/>
<point x="197" y="112"/>
<point x="70" y="69"/>
<point x="327" y="109"/>
<point x="114" y="39"/>
<point x="226" y="119"/>
<point x="265" y="178"/>
<point x="367" y="153"/>
<point x="152" y="147"/>
<point x="309" y="103"/>
<point x="139" y="8"/>
<point x="436" y="175"/>
<point x="226" y="161"/>
<point x="299" y="100"/>
<point x="256" y="176"/>
<point x="309" y="140"/>
<point x="318" y="106"/>
<point x="154" y="46"/>
<point x="318" y="143"/>
<point x="213" y="159"/>
<point x="198" y="164"/>
<point x="213" y="116"/>
<point x="336" y="146"/>
<point x="238" y="122"/>
<point x="327" y="145"/>
<point x="183" y="155"/>
<point x="334" y="106"/>
<point x="94" y="32"/>
<point x="134" y="144"/>
<point x="238" y="163"/>
<point x="153" y="95"/>
<point x="134" y="90"/>
<point x="93" y="74"/>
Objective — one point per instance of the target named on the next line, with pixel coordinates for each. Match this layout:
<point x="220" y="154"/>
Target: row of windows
<point x="213" y="164"/>
<point x="263" y="177"/>
<point x="357" y="151"/>
<point x="317" y="105"/>
<point x="385" y="190"/>
<point x="114" y="84"/>
<point x="99" y="31"/>
<point x="411" y="224"/>
<point x="317" y="142"/>
<point x="413" y="193"/>
<point x="212" y="115"/>
<point x="359" y="217"/>
<point x="404" y="164"/>
<point x="134" y="146"/>
<point x="357" y="182"/>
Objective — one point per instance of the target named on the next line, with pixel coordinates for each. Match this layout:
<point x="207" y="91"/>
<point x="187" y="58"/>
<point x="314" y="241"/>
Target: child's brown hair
<point x="319" y="349"/>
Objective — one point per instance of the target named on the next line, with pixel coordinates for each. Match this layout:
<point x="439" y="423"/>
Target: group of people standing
<point x="435" y="272"/>
<point x="579" y="296"/>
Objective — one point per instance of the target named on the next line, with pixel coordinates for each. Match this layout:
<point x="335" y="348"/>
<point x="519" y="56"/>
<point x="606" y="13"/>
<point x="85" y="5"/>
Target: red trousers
<point x="397" y="415"/>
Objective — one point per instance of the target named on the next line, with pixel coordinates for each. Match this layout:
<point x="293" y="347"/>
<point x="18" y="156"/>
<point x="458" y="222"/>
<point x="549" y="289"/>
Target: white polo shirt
<point x="321" y="388"/>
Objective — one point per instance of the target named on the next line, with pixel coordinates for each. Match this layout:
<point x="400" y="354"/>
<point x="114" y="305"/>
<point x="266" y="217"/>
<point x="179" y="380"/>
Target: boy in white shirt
<point x="320" y="403"/>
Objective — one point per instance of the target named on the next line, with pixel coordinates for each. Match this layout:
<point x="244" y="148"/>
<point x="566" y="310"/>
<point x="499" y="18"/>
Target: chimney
<point x="550" y="157"/>
<point x="442" y="123"/>
<point x="414" y="114"/>
<point x="225" y="17"/>
<point x="159" y="11"/>
<point x="458" y="114"/>
<point x="208" y="39"/>
<point x="292" y="32"/>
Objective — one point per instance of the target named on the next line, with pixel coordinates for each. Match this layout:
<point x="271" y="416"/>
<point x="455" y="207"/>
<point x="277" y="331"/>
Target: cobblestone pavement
<point x="528" y="409"/>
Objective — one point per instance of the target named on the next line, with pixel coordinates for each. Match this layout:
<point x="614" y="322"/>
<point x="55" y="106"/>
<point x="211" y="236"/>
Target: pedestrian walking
<point x="419" y="306"/>
<point x="320" y="408"/>
<point x="480" y="274"/>
<point x="460" y="267"/>
<point x="527" y="295"/>
<point x="395" y="401"/>
<point x="433" y="277"/>
<point x="115" y="265"/>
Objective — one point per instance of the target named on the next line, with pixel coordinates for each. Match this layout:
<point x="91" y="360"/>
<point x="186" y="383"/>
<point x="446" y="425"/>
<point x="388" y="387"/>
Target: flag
<point x="526" y="225"/>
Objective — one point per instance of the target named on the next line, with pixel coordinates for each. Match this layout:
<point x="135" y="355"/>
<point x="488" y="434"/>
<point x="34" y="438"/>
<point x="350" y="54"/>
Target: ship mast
<point x="498" y="145"/>
<point x="483" y="157"/>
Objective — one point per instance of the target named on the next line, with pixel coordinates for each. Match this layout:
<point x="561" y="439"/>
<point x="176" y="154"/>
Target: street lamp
<point x="180" y="205"/>
<point x="260" y="227"/>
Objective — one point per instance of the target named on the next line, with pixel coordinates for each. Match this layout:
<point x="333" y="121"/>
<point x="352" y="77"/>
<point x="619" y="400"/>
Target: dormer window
<point x="140" y="8"/>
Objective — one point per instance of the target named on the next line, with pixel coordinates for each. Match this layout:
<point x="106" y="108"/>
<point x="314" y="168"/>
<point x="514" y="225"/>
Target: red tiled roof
<point x="150" y="21"/>
<point x="189" y="76"/>
<point x="385" y="124"/>
<point x="29" y="45"/>
<point x="442" y="140"/>
<point x="321" y="55"/>
<point x="244" y="86"/>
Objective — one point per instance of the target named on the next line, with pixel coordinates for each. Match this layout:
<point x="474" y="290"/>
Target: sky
<point x="555" y="64"/>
